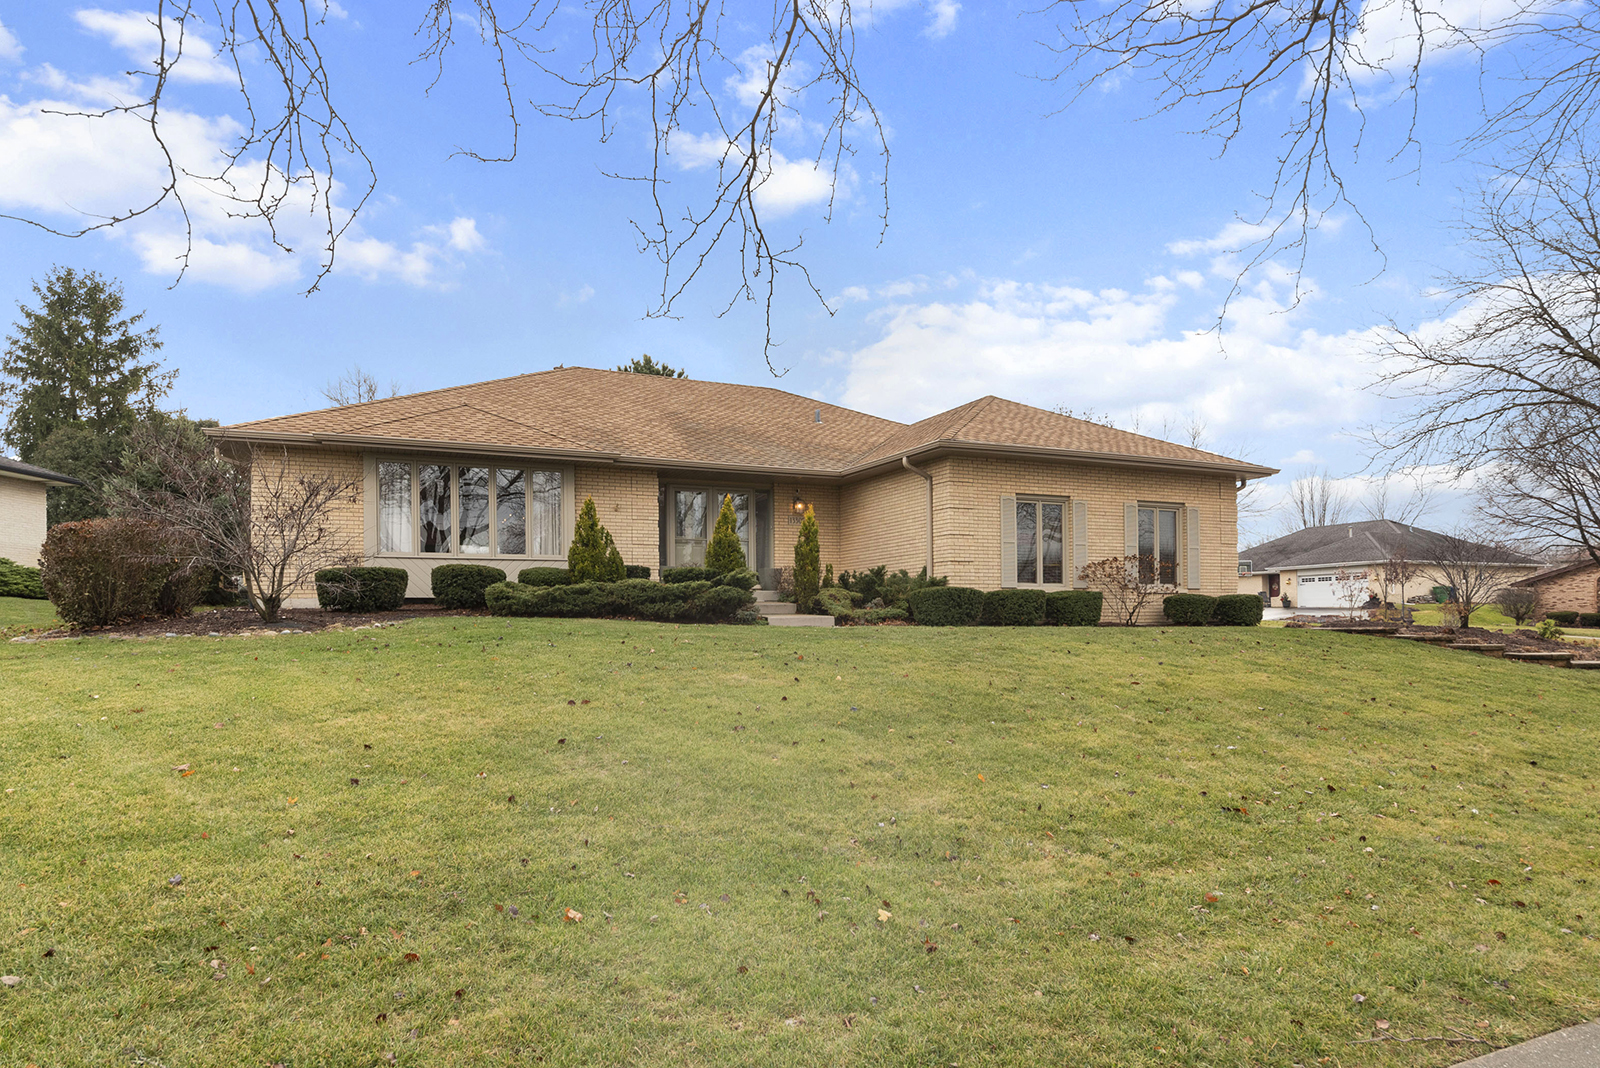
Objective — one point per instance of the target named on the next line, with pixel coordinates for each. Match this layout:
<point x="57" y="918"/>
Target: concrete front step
<point x="765" y="595"/>
<point x="775" y="608"/>
<point x="800" y="621"/>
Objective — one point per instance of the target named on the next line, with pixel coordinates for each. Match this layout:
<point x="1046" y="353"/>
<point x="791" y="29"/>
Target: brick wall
<point x="629" y="506"/>
<point x="22" y="512"/>
<point x="1576" y="591"/>
<point x="966" y="501"/>
<point x="272" y="465"/>
<point x="824" y="502"/>
<point x="885" y="521"/>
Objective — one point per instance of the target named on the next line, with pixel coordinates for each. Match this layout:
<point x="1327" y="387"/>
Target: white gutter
<point x="905" y="462"/>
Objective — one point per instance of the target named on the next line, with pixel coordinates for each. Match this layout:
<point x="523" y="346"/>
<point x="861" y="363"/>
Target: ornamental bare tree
<point x="1473" y="565"/>
<point x="250" y="514"/>
<point x="1117" y="579"/>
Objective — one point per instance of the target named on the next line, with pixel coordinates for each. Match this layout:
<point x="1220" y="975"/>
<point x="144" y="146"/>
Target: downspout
<point x="906" y="463"/>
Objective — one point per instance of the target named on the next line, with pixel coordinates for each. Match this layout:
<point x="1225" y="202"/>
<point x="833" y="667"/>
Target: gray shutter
<point x="1192" y="525"/>
<point x="1008" y="541"/>
<point x="1130" y="538"/>
<point x="1080" y="542"/>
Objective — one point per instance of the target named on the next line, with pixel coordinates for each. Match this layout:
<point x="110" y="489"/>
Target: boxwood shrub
<point x="636" y="570"/>
<point x="1013" y="608"/>
<point x="544" y="576"/>
<point x="1189" y="609"/>
<point x="462" y="585"/>
<point x="945" y="606"/>
<point x="1073" y="608"/>
<point x="1238" y="610"/>
<point x="361" y="589"/>
<point x="683" y="602"/>
<point x="19" y="581"/>
<point x="1566" y="619"/>
<point x="1589" y="619"/>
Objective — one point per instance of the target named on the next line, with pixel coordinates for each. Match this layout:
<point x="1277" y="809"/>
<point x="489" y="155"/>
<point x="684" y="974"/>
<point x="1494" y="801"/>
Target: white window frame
<point x="455" y="464"/>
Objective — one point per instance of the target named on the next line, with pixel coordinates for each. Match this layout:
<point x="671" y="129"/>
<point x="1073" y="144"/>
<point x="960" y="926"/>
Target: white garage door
<point x="1318" y="591"/>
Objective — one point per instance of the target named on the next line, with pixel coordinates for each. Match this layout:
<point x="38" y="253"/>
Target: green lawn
<point x="1092" y="847"/>
<point x="21" y="613"/>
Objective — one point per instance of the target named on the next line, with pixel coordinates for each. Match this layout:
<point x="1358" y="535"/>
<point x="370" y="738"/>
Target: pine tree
<point x="807" y="561"/>
<point x="76" y="360"/>
<point x="724" y="554"/>
<point x="593" y="555"/>
<point x="647" y="366"/>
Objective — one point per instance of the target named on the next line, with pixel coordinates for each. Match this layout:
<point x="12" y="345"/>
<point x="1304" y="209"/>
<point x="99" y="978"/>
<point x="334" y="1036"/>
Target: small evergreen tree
<point x="593" y="556"/>
<point x="807" y="564"/>
<point x="724" y="553"/>
<point x="647" y="366"/>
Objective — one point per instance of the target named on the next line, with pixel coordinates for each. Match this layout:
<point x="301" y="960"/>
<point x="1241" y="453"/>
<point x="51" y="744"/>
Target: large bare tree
<point x="719" y="88"/>
<point x="1505" y="388"/>
<point x="1315" y="500"/>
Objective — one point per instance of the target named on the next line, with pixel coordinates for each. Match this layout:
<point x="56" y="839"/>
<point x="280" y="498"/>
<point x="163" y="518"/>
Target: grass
<point x="1097" y="847"/>
<point x="1489" y="617"/>
<point x="18" y="614"/>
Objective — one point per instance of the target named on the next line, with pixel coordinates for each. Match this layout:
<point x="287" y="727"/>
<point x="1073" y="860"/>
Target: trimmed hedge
<point x="674" y="575"/>
<point x="636" y="570"/>
<point x="1238" y="610"/>
<point x="945" y="606"/>
<point x="1074" y="608"/>
<point x="462" y="585"/>
<point x="1566" y="619"/>
<point x="683" y="602"/>
<point x="361" y="589"/>
<point x="1189" y="609"/>
<point x="1589" y="619"/>
<point x="19" y="581"/>
<point x="544" y="576"/>
<point x="1013" y="608"/>
<point x="101" y="571"/>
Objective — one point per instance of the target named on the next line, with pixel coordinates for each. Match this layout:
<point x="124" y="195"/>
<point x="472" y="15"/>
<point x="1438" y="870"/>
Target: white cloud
<point x="139" y="35"/>
<point x="941" y="13"/>
<point x="782" y="185"/>
<point x="333" y="10"/>
<point x="73" y="171"/>
<point x="1116" y="351"/>
<point x="1385" y="37"/>
<point x="10" y="47"/>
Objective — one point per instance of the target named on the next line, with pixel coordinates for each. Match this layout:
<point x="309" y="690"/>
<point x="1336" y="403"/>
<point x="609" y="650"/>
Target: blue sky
<point x="1073" y="257"/>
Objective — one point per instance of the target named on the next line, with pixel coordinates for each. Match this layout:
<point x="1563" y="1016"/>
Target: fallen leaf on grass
<point x="572" y="916"/>
<point x="412" y="958"/>
<point x="181" y="767"/>
<point x="884" y="915"/>
<point x="1382" y="1025"/>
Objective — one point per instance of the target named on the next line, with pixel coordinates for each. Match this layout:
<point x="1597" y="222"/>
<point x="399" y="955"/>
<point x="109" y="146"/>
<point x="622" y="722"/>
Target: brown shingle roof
<point x="648" y="418"/>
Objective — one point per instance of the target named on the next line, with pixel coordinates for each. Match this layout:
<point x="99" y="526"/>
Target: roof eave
<point x="972" y="448"/>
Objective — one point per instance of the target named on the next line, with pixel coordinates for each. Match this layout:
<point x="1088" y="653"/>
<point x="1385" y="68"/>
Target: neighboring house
<point x="990" y="494"/>
<point x="1318" y="566"/>
<point x="23" y="489"/>
<point x="1573" y="587"/>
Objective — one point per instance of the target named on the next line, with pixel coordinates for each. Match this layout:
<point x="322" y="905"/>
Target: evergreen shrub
<point x="1238" y="610"/>
<point x="1189" y="609"/>
<point x="1073" y="608"/>
<point x="1566" y="619"/>
<point x="361" y="589"/>
<point x="19" y="581"/>
<point x="683" y="602"/>
<point x="946" y="606"/>
<point x="462" y="585"/>
<point x="544" y="576"/>
<point x="1013" y="608"/>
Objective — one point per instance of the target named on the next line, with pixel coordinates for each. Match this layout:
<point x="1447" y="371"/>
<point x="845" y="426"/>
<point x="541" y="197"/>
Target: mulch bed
<point x="1524" y="641"/>
<point x="233" y="622"/>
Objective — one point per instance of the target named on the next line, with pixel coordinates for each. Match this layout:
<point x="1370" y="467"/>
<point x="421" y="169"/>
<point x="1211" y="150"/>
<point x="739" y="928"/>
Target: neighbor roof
<point x="582" y="413"/>
<point x="1368" y="542"/>
<point x="18" y="469"/>
<point x="1554" y="572"/>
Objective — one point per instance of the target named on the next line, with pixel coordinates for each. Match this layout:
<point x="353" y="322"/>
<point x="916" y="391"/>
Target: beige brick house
<point x="1573" y="587"/>
<point x="991" y="494"/>
<point x="23" y="490"/>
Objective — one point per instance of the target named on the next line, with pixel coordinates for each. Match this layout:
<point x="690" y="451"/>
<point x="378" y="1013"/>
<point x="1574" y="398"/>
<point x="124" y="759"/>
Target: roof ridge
<point x="977" y="406"/>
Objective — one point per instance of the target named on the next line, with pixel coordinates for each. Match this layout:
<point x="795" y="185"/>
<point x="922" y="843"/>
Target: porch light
<point x="799" y="505"/>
